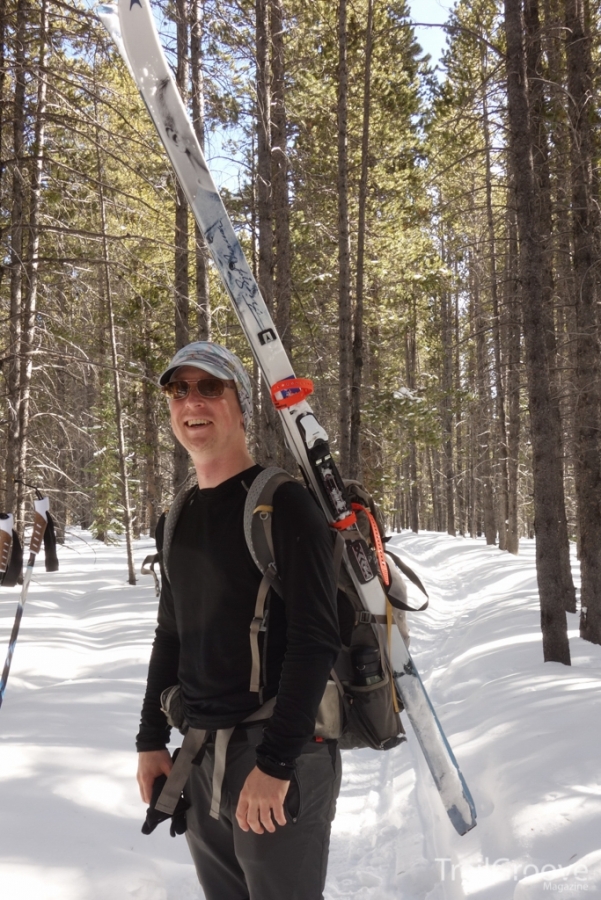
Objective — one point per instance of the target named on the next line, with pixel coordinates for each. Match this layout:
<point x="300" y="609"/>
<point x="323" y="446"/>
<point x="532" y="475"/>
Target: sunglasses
<point x="206" y="387"/>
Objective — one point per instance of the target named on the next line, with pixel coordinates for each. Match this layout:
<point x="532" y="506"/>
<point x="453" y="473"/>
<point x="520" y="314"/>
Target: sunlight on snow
<point x="16" y="761"/>
<point x="510" y="641"/>
<point x="484" y="876"/>
<point x="42" y="882"/>
<point x="353" y="814"/>
<point x="364" y="794"/>
<point x="73" y="774"/>
<point x="97" y="792"/>
<point x="552" y="814"/>
<point x="67" y="660"/>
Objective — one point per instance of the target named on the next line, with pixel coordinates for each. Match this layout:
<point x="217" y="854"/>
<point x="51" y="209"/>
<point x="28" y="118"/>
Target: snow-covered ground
<point x="527" y="735"/>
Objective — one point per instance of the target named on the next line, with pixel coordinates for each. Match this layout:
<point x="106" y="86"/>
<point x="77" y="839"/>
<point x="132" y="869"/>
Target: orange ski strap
<point x="292" y="391"/>
<point x="377" y="539"/>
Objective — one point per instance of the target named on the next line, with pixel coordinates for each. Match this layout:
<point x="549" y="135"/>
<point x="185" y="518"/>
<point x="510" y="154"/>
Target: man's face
<point x="206" y="427"/>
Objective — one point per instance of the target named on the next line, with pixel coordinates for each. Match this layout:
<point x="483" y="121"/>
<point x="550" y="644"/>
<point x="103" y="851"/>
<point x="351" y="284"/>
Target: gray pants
<point x="291" y="863"/>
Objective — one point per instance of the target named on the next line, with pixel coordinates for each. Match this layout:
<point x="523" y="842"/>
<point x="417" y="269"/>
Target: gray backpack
<point x="360" y="706"/>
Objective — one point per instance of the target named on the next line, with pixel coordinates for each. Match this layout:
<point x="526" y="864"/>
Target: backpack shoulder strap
<point x="159" y="532"/>
<point x="173" y="516"/>
<point x="152" y="559"/>
<point x="258" y="511"/>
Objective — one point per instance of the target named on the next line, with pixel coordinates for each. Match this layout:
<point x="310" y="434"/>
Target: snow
<point x="527" y="736"/>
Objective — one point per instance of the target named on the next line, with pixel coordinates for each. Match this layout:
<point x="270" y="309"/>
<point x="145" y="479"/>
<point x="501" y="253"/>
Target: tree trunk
<point x="180" y="455"/>
<point x="588" y="459"/>
<point x="355" y="468"/>
<point x="181" y="281"/>
<point x="546" y="460"/>
<point x="3" y="39"/>
<point x="496" y="324"/>
<point x="151" y="441"/>
<point x="473" y="503"/>
<point x="410" y="363"/>
<point x="203" y="306"/>
<point x="514" y="332"/>
<point x="267" y="420"/>
<point x="484" y="416"/>
<point x="119" y="417"/>
<point x="181" y="259"/>
<point x="151" y="430"/>
<point x="461" y="479"/>
<point x="447" y="410"/>
<point x="60" y="505"/>
<point x="556" y="115"/>
<point x="542" y="183"/>
<point x="31" y="291"/>
<point x="14" y="498"/>
<point x="432" y="524"/>
<point x="344" y="247"/>
<point x="472" y="443"/>
<point x="281" y="202"/>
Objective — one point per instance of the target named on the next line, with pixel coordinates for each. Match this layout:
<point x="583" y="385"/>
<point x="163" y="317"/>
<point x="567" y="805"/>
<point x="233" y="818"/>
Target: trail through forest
<point x="526" y="734"/>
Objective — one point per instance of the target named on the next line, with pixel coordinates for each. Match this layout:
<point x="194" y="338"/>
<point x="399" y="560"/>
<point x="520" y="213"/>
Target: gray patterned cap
<point x="217" y="361"/>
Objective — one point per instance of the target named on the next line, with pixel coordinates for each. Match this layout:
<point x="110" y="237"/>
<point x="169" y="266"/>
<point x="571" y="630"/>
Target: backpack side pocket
<point x="370" y="717"/>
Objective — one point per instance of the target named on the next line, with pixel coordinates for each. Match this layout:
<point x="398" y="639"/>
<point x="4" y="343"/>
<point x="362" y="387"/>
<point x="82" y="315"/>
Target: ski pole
<point x="39" y="527"/>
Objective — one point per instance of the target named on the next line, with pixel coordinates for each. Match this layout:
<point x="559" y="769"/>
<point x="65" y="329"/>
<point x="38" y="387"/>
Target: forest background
<point x="427" y="238"/>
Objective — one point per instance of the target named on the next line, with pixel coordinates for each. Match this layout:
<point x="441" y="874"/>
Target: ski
<point x="132" y="29"/>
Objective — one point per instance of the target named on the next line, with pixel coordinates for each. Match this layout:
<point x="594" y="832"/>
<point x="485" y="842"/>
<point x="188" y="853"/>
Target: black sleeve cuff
<point x="146" y="746"/>
<point x="275" y="767"/>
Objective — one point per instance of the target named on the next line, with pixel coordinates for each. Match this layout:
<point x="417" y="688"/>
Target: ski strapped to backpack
<point x="362" y="681"/>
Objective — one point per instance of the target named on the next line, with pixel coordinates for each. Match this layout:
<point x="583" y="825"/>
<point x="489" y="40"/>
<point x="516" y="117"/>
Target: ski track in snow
<point x="526" y="734"/>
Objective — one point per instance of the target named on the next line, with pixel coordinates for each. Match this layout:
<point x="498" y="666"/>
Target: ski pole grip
<point x="6" y="537"/>
<point x="39" y="524"/>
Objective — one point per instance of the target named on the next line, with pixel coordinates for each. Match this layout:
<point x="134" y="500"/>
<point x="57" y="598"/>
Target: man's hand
<point x="151" y="764"/>
<point x="261" y="798"/>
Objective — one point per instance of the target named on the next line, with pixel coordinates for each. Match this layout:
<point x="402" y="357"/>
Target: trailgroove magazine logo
<point x="559" y="888"/>
<point x="555" y="879"/>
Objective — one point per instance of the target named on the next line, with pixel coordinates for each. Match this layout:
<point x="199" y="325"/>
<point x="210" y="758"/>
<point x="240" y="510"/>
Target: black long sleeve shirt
<point x="202" y="639"/>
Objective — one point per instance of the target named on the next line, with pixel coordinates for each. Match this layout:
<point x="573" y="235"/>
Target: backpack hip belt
<point x="194" y="741"/>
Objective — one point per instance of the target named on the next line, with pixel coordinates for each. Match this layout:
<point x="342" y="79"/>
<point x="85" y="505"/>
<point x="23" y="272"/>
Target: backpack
<point x="361" y="705"/>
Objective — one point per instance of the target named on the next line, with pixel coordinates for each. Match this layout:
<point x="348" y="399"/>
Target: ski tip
<point x="106" y="9"/>
<point x="108" y="14"/>
<point x="460" y="824"/>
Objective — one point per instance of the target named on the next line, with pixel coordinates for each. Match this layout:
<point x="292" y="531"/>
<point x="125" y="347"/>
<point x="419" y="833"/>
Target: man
<point x="279" y="790"/>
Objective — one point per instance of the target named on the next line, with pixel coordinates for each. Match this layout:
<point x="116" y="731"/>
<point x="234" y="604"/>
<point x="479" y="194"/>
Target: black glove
<point x="14" y="572"/>
<point x="50" y="557"/>
<point x="154" y="817"/>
